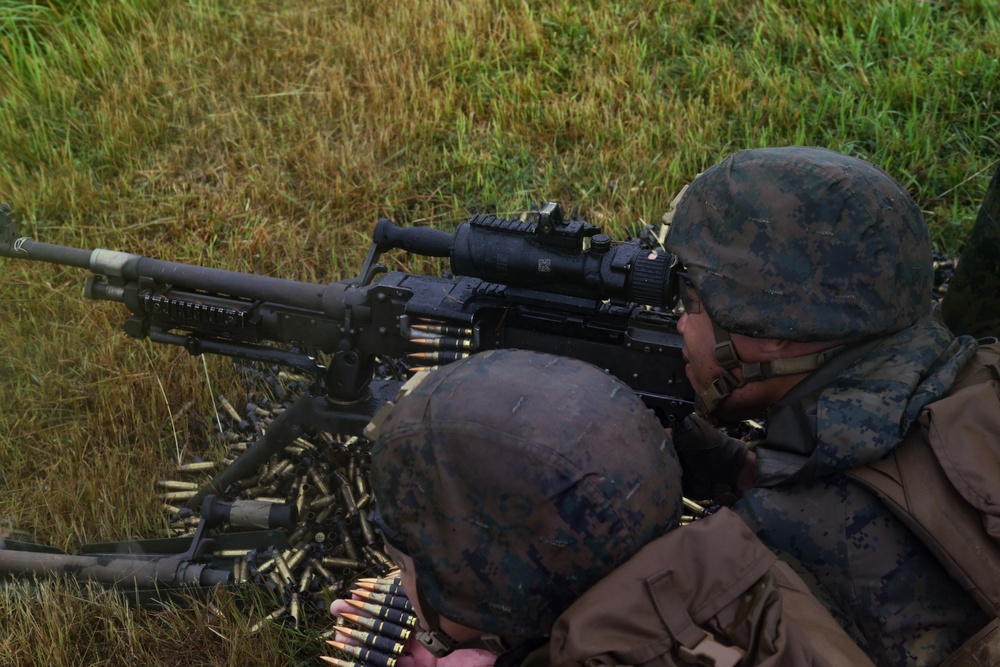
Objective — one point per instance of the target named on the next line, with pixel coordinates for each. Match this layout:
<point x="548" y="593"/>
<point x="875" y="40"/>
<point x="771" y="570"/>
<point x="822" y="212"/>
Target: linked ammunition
<point x="385" y="613"/>
<point x="337" y="662"/>
<point x="444" y="343"/>
<point x="692" y="506"/>
<point x="443" y="355"/>
<point x="373" y="640"/>
<point x="382" y="627"/>
<point x="400" y="602"/>
<point x="382" y="586"/>
<point x="443" y="330"/>
<point x="368" y="655"/>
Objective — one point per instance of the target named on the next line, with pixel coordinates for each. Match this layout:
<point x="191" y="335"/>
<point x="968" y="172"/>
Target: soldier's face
<point x="702" y="368"/>
<point x="699" y="342"/>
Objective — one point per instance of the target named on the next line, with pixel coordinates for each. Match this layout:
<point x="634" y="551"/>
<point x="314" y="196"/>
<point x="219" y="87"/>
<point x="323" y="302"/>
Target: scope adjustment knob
<point x="600" y="243"/>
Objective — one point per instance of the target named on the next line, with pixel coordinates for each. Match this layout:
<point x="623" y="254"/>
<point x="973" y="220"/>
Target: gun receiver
<point x="546" y="284"/>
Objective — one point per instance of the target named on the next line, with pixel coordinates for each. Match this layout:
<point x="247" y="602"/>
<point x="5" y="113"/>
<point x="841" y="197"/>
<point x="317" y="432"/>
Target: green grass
<point x="270" y="136"/>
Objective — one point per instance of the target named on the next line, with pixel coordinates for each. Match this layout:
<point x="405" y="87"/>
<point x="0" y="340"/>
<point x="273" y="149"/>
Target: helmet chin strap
<point x="708" y="402"/>
<point x="439" y="643"/>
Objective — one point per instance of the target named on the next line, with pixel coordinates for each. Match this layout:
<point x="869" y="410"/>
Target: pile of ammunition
<point x="324" y="477"/>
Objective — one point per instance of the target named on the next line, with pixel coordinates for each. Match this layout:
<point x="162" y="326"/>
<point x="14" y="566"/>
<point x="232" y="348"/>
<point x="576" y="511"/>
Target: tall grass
<point x="269" y="136"/>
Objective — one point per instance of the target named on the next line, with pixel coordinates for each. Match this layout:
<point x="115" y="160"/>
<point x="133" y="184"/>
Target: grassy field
<point x="270" y="136"/>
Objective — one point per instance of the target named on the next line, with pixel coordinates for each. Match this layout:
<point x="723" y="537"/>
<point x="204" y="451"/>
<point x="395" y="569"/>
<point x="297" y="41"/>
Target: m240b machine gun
<point x="546" y="284"/>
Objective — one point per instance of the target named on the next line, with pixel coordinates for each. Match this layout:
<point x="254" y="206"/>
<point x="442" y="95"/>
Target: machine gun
<point x="545" y="284"/>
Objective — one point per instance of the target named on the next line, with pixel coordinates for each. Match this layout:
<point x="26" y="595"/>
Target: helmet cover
<point x="805" y="244"/>
<point x="517" y="480"/>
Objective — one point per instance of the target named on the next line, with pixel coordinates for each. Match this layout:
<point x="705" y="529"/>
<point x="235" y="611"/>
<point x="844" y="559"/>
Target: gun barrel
<point x="129" y="266"/>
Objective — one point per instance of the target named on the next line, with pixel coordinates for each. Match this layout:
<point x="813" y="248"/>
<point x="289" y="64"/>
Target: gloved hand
<point x="714" y="464"/>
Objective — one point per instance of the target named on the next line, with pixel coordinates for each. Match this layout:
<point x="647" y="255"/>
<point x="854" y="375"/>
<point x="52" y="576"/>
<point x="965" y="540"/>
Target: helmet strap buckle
<point x="437" y="642"/>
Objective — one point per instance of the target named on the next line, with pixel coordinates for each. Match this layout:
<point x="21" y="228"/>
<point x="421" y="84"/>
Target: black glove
<point x="711" y="460"/>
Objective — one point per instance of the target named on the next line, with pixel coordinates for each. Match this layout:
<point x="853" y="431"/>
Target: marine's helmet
<point x="516" y="480"/>
<point x="803" y="244"/>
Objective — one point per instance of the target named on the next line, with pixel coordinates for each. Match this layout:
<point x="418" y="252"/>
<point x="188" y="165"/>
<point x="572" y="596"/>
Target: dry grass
<point x="269" y="136"/>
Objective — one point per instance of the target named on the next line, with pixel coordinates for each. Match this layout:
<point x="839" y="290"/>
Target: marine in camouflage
<point x="806" y="244"/>
<point x="803" y="244"/>
<point x="972" y="303"/>
<point x="882" y="581"/>
<point x="517" y="480"/>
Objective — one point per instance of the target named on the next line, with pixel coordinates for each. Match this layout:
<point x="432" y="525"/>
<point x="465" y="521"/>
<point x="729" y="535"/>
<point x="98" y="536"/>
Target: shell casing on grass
<point x="178" y="495"/>
<point x="197" y="466"/>
<point x="176" y="485"/>
<point x="366" y="529"/>
<point x="347" y="492"/>
<point x="329" y="527"/>
<point x="295" y="609"/>
<point x="273" y="616"/>
<point x="345" y="564"/>
<point x="298" y="556"/>
<point x="379" y="557"/>
<point x="306" y="579"/>
<point x="230" y="410"/>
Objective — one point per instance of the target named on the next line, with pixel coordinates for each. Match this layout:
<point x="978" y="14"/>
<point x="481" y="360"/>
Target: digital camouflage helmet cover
<point x="516" y="480"/>
<point x="806" y="244"/>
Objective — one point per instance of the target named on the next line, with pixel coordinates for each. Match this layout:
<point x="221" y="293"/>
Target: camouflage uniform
<point x="537" y="494"/>
<point x="883" y="581"/>
<point x="809" y="245"/>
